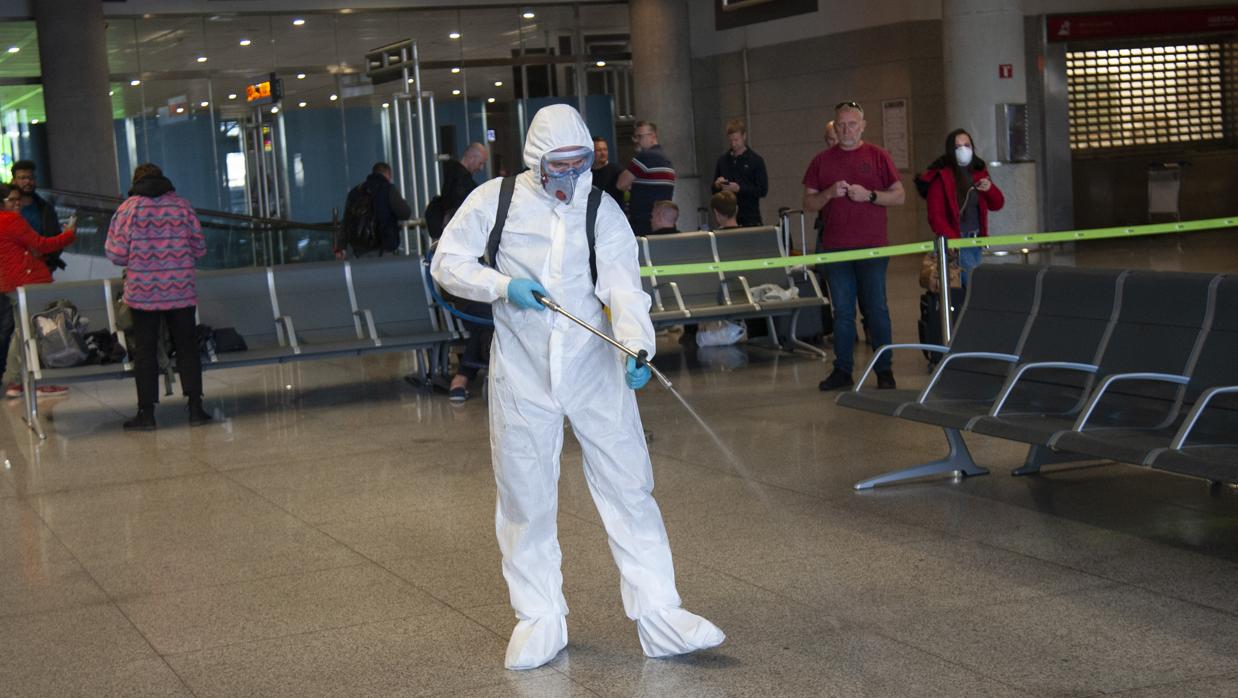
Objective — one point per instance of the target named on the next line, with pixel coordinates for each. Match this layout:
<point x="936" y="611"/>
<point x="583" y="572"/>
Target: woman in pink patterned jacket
<point x="156" y="236"/>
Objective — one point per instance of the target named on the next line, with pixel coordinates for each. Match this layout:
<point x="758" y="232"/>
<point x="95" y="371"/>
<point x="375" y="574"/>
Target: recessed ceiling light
<point x="528" y="14"/>
<point x="498" y="83"/>
<point x="454" y="35"/>
<point x="298" y="22"/>
<point x="232" y="95"/>
<point x="201" y="59"/>
<point x="490" y="100"/>
<point x="410" y="81"/>
<point x="204" y="104"/>
<point x="274" y="110"/>
<point x="180" y="110"/>
<point x="455" y="92"/>
<point x="135" y="83"/>
<point x="600" y="64"/>
<point x="455" y="71"/>
<point x="111" y="92"/>
<point x="34" y="121"/>
<point x="14" y="49"/>
<point x="246" y="42"/>
<point x="302" y="104"/>
<point x="333" y="97"/>
<point x="386" y="105"/>
<point x="300" y="76"/>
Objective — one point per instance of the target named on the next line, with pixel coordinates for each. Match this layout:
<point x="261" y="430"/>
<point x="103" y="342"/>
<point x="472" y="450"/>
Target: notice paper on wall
<point x="895" y="132"/>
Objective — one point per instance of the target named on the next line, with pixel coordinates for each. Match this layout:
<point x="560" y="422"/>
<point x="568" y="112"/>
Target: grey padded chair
<point x="318" y="308"/>
<point x="391" y="294"/>
<point x="243" y="299"/>
<point x="703" y="296"/>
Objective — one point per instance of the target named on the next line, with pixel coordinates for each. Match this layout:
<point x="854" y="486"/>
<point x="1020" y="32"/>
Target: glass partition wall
<point x="179" y="97"/>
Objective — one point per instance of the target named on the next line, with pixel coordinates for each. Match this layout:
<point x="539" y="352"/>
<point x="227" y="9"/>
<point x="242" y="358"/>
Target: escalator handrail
<point x="256" y="221"/>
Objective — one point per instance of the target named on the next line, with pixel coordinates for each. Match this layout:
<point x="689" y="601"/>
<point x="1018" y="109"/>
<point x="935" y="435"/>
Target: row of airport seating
<point x="1136" y="367"/>
<point x="680" y="299"/>
<point x="317" y="310"/>
<point x="283" y="313"/>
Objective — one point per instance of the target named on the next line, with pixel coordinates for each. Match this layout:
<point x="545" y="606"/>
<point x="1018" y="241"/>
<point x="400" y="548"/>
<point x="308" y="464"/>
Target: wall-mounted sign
<point x="490" y="135"/>
<point x="1132" y="24"/>
<point x="268" y="90"/>
<point x="1005" y="71"/>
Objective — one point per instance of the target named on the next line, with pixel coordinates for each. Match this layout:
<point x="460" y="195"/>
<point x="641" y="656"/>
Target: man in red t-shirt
<point x="851" y="184"/>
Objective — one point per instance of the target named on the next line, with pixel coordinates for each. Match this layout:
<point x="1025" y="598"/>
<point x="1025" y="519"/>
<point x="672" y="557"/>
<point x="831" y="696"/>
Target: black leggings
<point x="145" y="343"/>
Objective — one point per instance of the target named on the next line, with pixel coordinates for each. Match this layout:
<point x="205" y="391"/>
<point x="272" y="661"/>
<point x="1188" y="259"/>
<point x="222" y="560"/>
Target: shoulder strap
<point x="506" y="189"/>
<point x="500" y="218"/>
<point x="591" y="219"/>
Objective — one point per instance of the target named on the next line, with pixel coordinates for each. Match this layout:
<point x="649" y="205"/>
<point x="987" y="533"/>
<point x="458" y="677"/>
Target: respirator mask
<point x="560" y="170"/>
<point x="962" y="155"/>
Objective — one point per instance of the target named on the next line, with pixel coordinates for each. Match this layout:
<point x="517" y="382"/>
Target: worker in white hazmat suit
<point x="544" y="367"/>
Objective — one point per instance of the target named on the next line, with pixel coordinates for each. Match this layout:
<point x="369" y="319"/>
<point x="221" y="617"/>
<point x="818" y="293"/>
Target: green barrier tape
<point x="927" y="246"/>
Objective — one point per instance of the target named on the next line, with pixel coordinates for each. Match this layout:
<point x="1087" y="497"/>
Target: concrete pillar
<point x="73" y="54"/>
<point x="978" y="37"/>
<point x="662" y="87"/>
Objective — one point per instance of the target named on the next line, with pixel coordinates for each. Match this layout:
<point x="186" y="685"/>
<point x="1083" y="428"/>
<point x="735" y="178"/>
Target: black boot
<point x="197" y="415"/>
<point x="143" y="421"/>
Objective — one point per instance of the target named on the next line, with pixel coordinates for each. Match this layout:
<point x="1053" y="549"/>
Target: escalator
<point x="232" y="240"/>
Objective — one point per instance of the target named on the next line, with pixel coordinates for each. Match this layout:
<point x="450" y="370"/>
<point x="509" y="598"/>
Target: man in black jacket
<point x="742" y="172"/>
<point x="458" y="180"/>
<point x="375" y="204"/>
<point x="40" y="214"/>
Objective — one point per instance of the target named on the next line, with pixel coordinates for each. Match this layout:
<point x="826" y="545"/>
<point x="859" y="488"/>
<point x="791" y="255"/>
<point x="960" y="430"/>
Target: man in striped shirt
<point x="650" y="177"/>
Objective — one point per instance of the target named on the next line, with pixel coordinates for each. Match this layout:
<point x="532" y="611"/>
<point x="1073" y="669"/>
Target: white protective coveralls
<point x="544" y="367"/>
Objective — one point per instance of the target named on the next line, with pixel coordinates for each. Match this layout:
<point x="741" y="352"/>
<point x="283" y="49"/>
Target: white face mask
<point x="962" y="154"/>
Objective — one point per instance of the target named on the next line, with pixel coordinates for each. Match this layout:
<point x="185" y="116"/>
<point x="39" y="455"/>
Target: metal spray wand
<point x="642" y="356"/>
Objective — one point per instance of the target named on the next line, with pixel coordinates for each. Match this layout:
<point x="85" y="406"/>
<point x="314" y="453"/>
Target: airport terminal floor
<point x="333" y="534"/>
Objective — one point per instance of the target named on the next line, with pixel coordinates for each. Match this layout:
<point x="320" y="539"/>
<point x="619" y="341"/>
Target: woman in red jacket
<point x="21" y="263"/>
<point x="960" y="195"/>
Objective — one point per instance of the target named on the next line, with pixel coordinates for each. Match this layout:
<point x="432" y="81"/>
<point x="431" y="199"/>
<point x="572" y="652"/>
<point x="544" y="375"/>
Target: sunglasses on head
<point x="853" y="105"/>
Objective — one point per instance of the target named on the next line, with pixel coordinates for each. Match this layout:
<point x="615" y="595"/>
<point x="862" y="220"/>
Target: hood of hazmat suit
<point x="543" y="367"/>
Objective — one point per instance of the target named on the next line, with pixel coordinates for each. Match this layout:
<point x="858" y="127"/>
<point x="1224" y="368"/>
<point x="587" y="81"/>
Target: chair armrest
<point x="1025" y="368"/>
<point x="291" y="330"/>
<point x="369" y="324"/>
<point x="994" y="356"/>
<point x="1179" y="439"/>
<point x="890" y="347"/>
<point x="1097" y="394"/>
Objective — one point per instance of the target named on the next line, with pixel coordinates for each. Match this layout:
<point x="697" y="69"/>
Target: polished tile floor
<point x="333" y="535"/>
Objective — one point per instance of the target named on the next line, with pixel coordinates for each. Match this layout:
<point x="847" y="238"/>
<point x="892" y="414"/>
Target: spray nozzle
<point x="642" y="358"/>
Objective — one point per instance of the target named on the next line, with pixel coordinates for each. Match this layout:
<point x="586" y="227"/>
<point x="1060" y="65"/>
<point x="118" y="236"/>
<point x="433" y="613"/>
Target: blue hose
<point x="425" y="271"/>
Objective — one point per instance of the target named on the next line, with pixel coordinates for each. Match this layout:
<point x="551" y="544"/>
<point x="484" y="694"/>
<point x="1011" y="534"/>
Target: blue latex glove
<point x="636" y="376"/>
<point x="520" y="292"/>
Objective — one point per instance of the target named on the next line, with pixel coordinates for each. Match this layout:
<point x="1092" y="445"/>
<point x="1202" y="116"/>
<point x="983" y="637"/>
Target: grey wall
<point x="793" y="89"/>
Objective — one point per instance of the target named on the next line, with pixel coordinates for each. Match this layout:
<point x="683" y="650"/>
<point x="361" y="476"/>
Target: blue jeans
<point x="969" y="258"/>
<point x="862" y="281"/>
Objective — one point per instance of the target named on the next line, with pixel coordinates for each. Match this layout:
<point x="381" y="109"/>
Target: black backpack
<point x="360" y="220"/>
<point x="436" y="217"/>
<point x="505" y="202"/>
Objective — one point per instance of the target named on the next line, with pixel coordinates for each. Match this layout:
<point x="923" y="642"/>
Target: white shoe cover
<point x="671" y="631"/>
<point x="535" y="642"/>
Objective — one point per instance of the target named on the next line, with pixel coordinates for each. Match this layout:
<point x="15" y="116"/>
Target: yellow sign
<point x="258" y="91"/>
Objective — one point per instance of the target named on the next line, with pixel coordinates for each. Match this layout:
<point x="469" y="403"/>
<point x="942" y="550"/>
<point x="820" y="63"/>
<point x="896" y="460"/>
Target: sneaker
<point x="48" y="390"/>
<point x="14" y="390"/>
<point x="836" y="380"/>
<point x="885" y="380"/>
<point x="458" y="394"/>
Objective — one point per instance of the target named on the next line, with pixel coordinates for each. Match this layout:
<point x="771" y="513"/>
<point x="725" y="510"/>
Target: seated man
<point x="665" y="217"/>
<point x="724" y="206"/>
